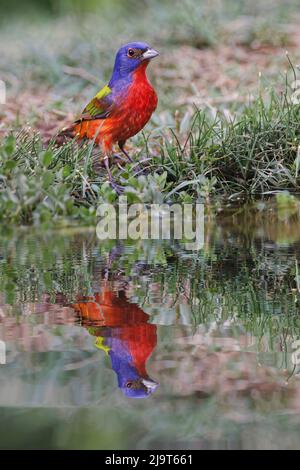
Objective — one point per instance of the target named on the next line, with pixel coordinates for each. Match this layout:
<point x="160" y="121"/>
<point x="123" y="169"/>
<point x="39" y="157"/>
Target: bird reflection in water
<point x="122" y="330"/>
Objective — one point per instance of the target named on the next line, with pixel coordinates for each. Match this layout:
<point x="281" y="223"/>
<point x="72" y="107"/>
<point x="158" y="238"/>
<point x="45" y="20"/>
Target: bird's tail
<point x="65" y="134"/>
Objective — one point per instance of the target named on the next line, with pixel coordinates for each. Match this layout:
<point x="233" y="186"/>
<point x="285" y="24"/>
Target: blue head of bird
<point x="132" y="383"/>
<point x="129" y="57"/>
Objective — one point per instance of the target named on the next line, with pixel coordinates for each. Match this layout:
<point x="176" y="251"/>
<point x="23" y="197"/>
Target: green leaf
<point x="10" y="165"/>
<point x="47" y="158"/>
<point x="10" y="145"/>
<point x="66" y="171"/>
<point x="48" y="179"/>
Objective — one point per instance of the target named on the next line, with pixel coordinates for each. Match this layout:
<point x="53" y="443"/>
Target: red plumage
<point x="125" y="120"/>
<point x="127" y="321"/>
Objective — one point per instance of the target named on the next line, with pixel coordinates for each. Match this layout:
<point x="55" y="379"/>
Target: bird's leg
<point x="113" y="184"/>
<point x="121" y="144"/>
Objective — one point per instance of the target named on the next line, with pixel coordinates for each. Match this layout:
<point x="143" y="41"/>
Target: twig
<point x="80" y="72"/>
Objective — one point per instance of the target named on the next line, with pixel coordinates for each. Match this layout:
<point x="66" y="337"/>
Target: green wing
<point x="99" y="107"/>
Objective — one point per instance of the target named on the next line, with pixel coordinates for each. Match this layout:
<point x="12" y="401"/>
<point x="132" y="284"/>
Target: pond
<point x="142" y="344"/>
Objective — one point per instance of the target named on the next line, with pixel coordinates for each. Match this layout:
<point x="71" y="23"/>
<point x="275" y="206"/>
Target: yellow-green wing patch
<point x="99" y="106"/>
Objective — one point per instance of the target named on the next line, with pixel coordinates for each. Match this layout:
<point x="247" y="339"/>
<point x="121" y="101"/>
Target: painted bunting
<point x="123" y="332"/>
<point x="123" y="107"/>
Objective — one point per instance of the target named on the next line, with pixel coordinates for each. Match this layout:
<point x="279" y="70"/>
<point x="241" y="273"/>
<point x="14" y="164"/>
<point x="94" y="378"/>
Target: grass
<point x="255" y="154"/>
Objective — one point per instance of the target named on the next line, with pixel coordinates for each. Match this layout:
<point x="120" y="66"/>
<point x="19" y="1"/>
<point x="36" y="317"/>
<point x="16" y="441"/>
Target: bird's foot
<point x="115" y="186"/>
<point x="122" y="159"/>
<point x="139" y="168"/>
<point x="112" y="182"/>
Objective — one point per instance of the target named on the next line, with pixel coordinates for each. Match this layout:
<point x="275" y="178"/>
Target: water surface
<point x="145" y="345"/>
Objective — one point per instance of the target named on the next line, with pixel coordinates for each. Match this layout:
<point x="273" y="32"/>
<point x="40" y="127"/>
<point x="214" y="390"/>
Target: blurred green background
<point x="40" y="38"/>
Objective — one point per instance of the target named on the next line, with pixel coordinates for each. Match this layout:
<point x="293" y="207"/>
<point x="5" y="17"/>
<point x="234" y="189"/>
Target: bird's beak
<point x="149" y="54"/>
<point x="150" y="384"/>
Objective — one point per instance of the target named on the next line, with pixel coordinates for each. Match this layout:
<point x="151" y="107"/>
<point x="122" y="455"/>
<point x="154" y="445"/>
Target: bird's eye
<point x="130" y="52"/>
<point x="129" y="384"/>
